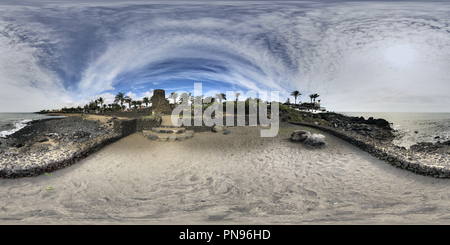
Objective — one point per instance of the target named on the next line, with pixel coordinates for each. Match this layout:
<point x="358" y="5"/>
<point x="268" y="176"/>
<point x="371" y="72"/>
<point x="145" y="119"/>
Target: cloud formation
<point x="370" y="56"/>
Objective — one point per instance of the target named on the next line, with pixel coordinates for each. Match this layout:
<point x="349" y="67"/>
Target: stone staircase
<point x="168" y="132"/>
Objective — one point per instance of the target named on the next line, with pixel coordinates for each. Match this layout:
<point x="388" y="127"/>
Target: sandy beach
<point x="238" y="178"/>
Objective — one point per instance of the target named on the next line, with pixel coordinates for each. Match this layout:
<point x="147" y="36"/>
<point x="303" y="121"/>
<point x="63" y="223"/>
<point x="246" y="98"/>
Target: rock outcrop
<point x="428" y="147"/>
<point x="379" y="129"/>
<point x="219" y="128"/>
<point x="300" y="135"/>
<point x="314" y="140"/>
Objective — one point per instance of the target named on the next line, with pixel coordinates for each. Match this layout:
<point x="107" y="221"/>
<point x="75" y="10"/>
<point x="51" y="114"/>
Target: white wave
<point x="19" y="126"/>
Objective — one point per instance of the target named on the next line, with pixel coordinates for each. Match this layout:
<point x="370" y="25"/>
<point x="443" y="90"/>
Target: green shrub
<point x="285" y="108"/>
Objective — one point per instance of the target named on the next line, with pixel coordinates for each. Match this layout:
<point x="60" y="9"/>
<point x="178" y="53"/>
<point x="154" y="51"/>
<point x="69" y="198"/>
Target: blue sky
<point x="358" y="56"/>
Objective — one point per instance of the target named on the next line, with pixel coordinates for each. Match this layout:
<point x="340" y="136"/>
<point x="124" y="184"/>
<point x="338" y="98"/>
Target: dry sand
<point x="93" y="117"/>
<point x="238" y="178"/>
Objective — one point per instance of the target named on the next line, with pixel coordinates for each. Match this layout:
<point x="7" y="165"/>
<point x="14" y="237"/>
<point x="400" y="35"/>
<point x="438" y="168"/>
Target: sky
<point x="365" y="56"/>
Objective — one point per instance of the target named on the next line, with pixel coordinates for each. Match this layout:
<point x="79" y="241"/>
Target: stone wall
<point x="130" y="126"/>
<point x="394" y="155"/>
<point x="148" y="124"/>
<point x="125" y="127"/>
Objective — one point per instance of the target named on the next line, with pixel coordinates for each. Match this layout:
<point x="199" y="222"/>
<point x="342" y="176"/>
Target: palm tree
<point x="174" y="96"/>
<point x="101" y="101"/>
<point x="92" y="105"/>
<point x="134" y="103"/>
<point x="198" y="100"/>
<point x="184" y="97"/>
<point x="209" y="98"/>
<point x="224" y="96"/>
<point x="237" y="96"/>
<point x="129" y="101"/>
<point x="315" y="97"/>
<point x="221" y="97"/>
<point x="120" y="97"/>
<point x="139" y="103"/>
<point x="296" y="94"/>
<point x="145" y="100"/>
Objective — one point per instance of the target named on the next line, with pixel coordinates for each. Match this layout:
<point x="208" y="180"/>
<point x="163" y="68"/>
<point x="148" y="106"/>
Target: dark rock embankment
<point x="50" y="144"/>
<point x="375" y="137"/>
<point x="428" y="147"/>
<point x="63" y="130"/>
<point x="379" y="129"/>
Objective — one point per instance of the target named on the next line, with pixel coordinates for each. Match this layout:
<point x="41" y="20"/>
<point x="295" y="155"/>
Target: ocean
<point x="13" y="122"/>
<point x="430" y="127"/>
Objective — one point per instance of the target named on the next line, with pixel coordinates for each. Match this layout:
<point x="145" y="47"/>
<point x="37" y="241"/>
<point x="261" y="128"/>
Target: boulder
<point x="172" y="137"/>
<point x="152" y="137"/>
<point x="219" y="128"/>
<point x="300" y="135"/>
<point x="382" y="123"/>
<point x="316" y="140"/>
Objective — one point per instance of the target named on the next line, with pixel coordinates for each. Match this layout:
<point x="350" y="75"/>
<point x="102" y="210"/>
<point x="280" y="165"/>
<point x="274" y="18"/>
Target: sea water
<point x="13" y="122"/>
<point x="413" y="127"/>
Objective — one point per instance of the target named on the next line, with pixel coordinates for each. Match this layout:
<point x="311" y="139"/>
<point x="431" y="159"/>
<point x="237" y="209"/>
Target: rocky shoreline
<point x="49" y="144"/>
<point x="375" y="137"/>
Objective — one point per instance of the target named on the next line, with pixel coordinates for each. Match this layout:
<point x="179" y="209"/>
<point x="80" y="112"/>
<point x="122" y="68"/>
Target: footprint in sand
<point x="76" y="184"/>
<point x="193" y="178"/>
<point x="310" y="192"/>
<point x="209" y="181"/>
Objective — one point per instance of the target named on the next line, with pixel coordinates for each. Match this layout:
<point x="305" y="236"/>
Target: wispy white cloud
<point x="50" y="55"/>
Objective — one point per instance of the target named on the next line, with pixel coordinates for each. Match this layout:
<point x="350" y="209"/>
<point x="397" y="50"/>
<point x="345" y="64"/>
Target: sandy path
<point x="236" y="178"/>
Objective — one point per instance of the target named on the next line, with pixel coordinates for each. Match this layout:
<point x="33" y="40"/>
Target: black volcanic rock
<point x="374" y="128"/>
<point x="431" y="147"/>
<point x="70" y="128"/>
<point x="424" y="147"/>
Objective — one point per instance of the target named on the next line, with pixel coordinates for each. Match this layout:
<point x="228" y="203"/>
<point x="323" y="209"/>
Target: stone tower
<point x="159" y="102"/>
